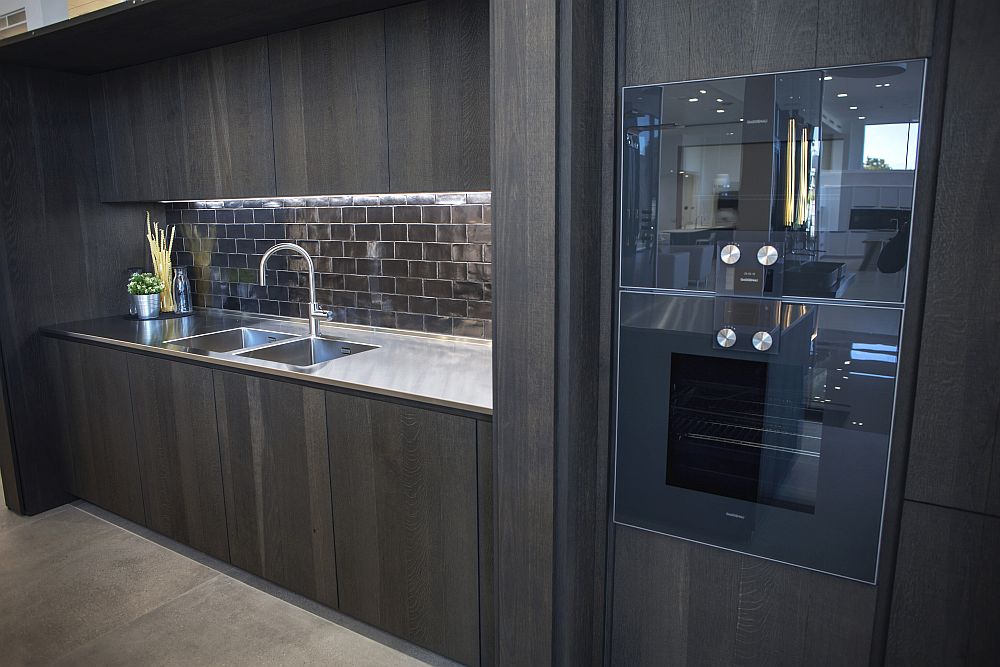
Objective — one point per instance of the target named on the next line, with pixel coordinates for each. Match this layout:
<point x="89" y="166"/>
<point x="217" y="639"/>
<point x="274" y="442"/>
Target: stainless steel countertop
<point x="438" y="370"/>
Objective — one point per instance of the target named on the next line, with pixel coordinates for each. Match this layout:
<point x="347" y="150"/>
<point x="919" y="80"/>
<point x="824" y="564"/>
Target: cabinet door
<point x="178" y="442"/>
<point x="98" y="433"/>
<point x="328" y="92"/>
<point x="275" y="468"/>
<point x="194" y="126"/>
<point x="437" y="64"/>
<point x="405" y="511"/>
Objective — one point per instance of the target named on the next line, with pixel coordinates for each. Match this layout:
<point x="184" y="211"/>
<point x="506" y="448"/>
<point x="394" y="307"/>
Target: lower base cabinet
<point x="97" y="430"/>
<point x="276" y="474"/>
<point x="405" y="511"/>
<point x="178" y="445"/>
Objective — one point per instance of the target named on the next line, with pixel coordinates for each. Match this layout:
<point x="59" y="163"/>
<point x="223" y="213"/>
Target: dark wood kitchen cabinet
<point x="98" y="436"/>
<point x="438" y="95"/>
<point x="189" y="127"/>
<point x="276" y="474"/>
<point x="178" y="443"/>
<point x="328" y="95"/>
<point x="405" y="510"/>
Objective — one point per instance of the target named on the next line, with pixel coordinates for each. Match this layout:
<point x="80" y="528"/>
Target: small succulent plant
<point x="144" y="284"/>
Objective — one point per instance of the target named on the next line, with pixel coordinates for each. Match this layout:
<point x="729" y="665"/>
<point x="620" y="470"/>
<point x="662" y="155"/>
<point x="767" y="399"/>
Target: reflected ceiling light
<point x="703" y="92"/>
<point x="692" y="99"/>
<point x="862" y="117"/>
<point x="720" y="111"/>
<point x="841" y="94"/>
<point x="878" y="85"/>
<point x="853" y="108"/>
<point x="886" y="85"/>
<point x="718" y="99"/>
<point x="828" y="78"/>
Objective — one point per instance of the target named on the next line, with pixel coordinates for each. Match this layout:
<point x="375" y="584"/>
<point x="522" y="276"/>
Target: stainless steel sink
<point x="230" y="339"/>
<point x="306" y="352"/>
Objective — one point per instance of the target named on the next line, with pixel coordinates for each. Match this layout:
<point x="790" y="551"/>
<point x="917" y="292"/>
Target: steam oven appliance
<point x="764" y="241"/>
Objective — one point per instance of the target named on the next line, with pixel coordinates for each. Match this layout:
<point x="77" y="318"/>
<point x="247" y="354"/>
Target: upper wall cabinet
<point x="194" y="126"/>
<point x="328" y="90"/>
<point x="438" y="69"/>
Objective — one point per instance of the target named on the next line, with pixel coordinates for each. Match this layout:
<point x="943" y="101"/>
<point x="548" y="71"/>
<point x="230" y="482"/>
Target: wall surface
<point x="419" y="262"/>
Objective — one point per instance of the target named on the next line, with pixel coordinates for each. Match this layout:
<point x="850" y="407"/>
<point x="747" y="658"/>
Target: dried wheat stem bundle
<point x="160" y="248"/>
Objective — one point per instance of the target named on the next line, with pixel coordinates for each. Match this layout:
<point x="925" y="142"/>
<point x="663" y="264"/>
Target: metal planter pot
<point x="146" y="306"/>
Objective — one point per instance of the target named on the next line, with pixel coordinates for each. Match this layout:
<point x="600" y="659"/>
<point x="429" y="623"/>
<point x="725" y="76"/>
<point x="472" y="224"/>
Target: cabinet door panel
<point x="328" y="93"/>
<point x="405" y="511"/>
<point x="276" y="476"/>
<point x="98" y="433"/>
<point x="178" y="442"/>
<point x="437" y="64"/>
<point x="194" y="126"/>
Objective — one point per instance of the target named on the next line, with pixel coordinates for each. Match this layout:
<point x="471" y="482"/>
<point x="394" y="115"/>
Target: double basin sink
<point x="301" y="352"/>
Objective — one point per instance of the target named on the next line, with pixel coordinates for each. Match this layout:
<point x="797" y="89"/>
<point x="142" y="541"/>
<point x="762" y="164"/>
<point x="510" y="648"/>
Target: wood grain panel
<point x="487" y="544"/>
<point x="95" y="413"/>
<point x="437" y="64"/>
<point x="62" y="257"/>
<point x="954" y="458"/>
<point x="944" y="602"/>
<point x="405" y="510"/>
<point x="853" y="32"/>
<point x="178" y="443"/>
<point x="736" y="38"/>
<point x="658" y="41"/>
<point x="193" y="126"/>
<point x="329" y="99"/>
<point x="276" y="474"/>
<point x="682" y="603"/>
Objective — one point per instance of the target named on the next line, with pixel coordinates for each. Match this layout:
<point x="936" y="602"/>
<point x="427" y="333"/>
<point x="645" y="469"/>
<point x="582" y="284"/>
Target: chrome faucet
<point x="315" y="312"/>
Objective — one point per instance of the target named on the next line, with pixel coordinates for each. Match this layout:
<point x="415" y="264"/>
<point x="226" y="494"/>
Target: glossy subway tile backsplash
<point x="420" y="262"/>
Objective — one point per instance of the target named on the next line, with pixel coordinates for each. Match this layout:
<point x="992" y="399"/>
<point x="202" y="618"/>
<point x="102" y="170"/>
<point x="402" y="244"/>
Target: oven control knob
<point x="762" y="341"/>
<point x="767" y="255"/>
<point x="730" y="253"/>
<point x="726" y="337"/>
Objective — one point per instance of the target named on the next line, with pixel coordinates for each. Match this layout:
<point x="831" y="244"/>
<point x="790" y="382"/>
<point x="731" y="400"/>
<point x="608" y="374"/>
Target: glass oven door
<point x="779" y="453"/>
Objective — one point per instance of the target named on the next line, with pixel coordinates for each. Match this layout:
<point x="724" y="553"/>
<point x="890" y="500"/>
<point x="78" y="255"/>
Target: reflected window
<point x="891" y="146"/>
<point x="13" y="23"/>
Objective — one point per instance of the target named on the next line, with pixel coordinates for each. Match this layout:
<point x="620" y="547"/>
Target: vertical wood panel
<point x="487" y="544"/>
<point x="869" y="31"/>
<point x="944" y="604"/>
<point x="193" y="126"/>
<point x="437" y="62"/>
<point x="276" y="475"/>
<point x="683" y="603"/>
<point x="657" y="40"/>
<point x="523" y="100"/>
<point x="178" y="443"/>
<point x="733" y="38"/>
<point x="62" y="255"/>
<point x="95" y="413"/>
<point x="328" y="92"/>
<point x="954" y="454"/>
<point x="405" y="510"/>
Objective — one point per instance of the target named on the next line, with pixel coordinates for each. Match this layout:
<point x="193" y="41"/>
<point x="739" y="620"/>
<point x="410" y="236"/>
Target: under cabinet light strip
<point x="383" y="199"/>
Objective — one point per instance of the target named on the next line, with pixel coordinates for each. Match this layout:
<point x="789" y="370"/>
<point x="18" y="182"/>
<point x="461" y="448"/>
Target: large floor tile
<point x="225" y="622"/>
<point x="70" y="577"/>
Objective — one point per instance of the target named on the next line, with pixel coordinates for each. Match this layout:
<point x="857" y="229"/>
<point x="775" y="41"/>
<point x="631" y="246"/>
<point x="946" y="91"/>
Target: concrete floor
<point x="79" y="586"/>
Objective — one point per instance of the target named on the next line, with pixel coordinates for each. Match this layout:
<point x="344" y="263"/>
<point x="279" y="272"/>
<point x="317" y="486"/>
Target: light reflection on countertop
<point x="446" y="371"/>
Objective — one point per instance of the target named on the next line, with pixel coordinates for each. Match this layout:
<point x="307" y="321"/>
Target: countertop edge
<point x="238" y="365"/>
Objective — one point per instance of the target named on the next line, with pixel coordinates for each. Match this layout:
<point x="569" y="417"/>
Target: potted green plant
<point x="145" y="289"/>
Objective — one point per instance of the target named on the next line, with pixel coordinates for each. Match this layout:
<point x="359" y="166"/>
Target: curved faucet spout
<point x="314" y="310"/>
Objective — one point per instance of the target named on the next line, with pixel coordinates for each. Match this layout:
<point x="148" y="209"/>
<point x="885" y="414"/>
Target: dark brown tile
<point x="450" y="233"/>
<point x="266" y="216"/>
<point x="435" y="324"/>
<point x="418" y="269"/>
<point x="410" y="322"/>
<point x="481" y="272"/>
<point x="296" y="231"/>
<point x="367" y="232"/>
<point x="379" y="214"/>
<point x="381" y="284"/>
<point x="334" y="214"/>
<point x="452" y="270"/>
<point x="342" y="232"/>
<point x="381" y="318"/>
<point x="393" y="232"/>
<point x="468" y="327"/>
<point x="438" y="251"/>
<point x="409" y="250"/>
<point x="435" y="214"/>
<point x="318" y="232"/>
<point x="323" y="264"/>
<point x="311" y="247"/>
<point x="371" y="267"/>
<point x="469" y="291"/>
<point x="355" y="249"/>
<point x="381" y="249"/>
<point x="344" y="265"/>
<point x="406" y="214"/>
<point x="439" y="288"/>
<point x="331" y="248"/>
<point x="307" y="215"/>
<point x="467" y="252"/>
<point x="356" y="283"/>
<point x="420" y="232"/>
<point x="453" y="307"/>
<point x="354" y="214"/>
<point x="411" y="286"/>
<point x="394" y="267"/>
<point x="422" y="305"/>
<point x="468" y="213"/>
<point x="481" y="309"/>
<point x="479" y="233"/>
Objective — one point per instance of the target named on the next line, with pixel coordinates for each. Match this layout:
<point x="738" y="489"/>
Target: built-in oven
<point x="764" y="245"/>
